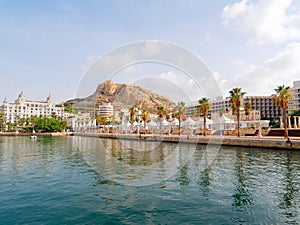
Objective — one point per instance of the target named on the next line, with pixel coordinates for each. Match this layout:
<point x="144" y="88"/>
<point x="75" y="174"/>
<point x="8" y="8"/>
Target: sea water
<point x="81" y="180"/>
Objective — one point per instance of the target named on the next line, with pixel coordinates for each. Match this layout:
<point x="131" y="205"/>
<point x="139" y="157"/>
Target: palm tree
<point x="101" y="120"/>
<point x="248" y="107"/>
<point x="132" y="112"/>
<point x="145" y="117"/>
<point x="181" y="110"/>
<point x="160" y="113"/>
<point x="204" y="107"/>
<point x="281" y="98"/>
<point x="236" y="96"/>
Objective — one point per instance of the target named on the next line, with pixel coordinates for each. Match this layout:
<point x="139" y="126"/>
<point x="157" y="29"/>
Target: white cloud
<point x="283" y="68"/>
<point x="183" y="82"/>
<point x="268" y="20"/>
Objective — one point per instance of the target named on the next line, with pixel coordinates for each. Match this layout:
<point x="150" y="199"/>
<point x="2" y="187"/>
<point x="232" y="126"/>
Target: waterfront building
<point x="265" y="105"/>
<point x="81" y="121"/>
<point x="24" y="108"/>
<point x="261" y="107"/>
<point x="106" y="110"/>
<point x="294" y="101"/>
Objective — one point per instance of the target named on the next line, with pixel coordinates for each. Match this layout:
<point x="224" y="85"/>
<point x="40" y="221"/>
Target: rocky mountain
<point x="121" y="96"/>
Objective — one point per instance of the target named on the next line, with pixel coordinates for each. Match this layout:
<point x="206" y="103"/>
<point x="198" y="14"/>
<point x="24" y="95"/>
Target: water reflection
<point x="290" y="191"/>
<point x="86" y="179"/>
<point x="205" y="181"/>
<point x="137" y="152"/>
<point x="134" y="163"/>
<point x="242" y="196"/>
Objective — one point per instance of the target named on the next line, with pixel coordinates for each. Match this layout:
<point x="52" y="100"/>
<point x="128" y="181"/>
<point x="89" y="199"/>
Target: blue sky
<point x="47" y="46"/>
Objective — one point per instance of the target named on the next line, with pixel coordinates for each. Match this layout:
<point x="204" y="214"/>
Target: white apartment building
<point x="294" y="101"/>
<point x="23" y="108"/>
<point x="106" y="110"/>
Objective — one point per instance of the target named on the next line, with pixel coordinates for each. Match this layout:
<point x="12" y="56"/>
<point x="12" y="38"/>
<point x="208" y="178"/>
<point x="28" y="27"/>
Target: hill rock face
<point x="123" y="96"/>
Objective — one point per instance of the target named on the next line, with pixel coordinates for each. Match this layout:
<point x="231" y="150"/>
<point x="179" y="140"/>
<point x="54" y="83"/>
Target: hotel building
<point x="23" y="108"/>
<point x="265" y="105"/>
<point x="294" y="101"/>
<point x="106" y="110"/>
<point x="261" y="106"/>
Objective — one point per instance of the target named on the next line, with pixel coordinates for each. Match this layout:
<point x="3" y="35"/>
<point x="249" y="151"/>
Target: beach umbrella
<point x="200" y="122"/>
<point x="152" y="124"/>
<point x="224" y="123"/>
<point x="175" y="122"/>
<point x="164" y="123"/>
<point x="127" y="125"/>
<point x="135" y="124"/>
<point x="189" y="122"/>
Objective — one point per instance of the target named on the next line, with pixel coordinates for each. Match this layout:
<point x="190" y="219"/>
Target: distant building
<point x="261" y="106"/>
<point x="294" y="101"/>
<point x="216" y="106"/>
<point x="265" y="105"/>
<point x="23" y="108"/>
<point x="106" y="110"/>
<point x="81" y="121"/>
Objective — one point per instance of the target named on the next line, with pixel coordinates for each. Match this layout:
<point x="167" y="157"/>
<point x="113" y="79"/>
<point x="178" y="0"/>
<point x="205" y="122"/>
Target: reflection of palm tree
<point x="204" y="108"/>
<point x="183" y="178"/>
<point x="291" y="190"/>
<point x="281" y="98"/>
<point x="236" y="96"/>
<point x="241" y="196"/>
<point x="181" y="110"/>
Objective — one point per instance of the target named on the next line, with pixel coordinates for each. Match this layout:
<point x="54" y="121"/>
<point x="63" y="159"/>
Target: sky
<point x="48" y="47"/>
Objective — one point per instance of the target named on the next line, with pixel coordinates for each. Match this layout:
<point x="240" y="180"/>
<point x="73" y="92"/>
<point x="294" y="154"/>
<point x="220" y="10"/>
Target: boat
<point x="33" y="137"/>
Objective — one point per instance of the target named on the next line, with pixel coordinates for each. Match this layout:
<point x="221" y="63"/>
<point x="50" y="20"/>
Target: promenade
<point x="256" y="142"/>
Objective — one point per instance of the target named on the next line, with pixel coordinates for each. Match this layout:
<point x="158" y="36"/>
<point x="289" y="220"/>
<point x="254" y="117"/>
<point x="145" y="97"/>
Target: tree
<point x="145" y="116"/>
<point x="248" y="107"/>
<point x="161" y="114"/>
<point x="204" y="107"/>
<point x="2" y="120"/>
<point x="45" y="124"/>
<point x="132" y="112"/>
<point x="181" y="110"/>
<point x="281" y="98"/>
<point x="101" y="120"/>
<point x="236" y="96"/>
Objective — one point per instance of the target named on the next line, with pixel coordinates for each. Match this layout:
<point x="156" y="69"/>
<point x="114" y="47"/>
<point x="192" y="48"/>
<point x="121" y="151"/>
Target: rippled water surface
<point x="77" y="180"/>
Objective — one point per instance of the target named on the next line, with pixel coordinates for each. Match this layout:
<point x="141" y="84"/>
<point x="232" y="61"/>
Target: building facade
<point x="106" y="110"/>
<point x="265" y="105"/>
<point x="23" y="108"/>
<point x="294" y="101"/>
<point x="261" y="107"/>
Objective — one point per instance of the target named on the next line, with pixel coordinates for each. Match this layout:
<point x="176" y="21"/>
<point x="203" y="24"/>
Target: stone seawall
<point x="265" y="142"/>
<point x="36" y="134"/>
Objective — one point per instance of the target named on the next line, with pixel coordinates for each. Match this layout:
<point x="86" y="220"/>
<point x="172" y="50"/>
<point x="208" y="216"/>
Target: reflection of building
<point x="23" y="108"/>
<point x="106" y="110"/>
<point x="294" y="101"/>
